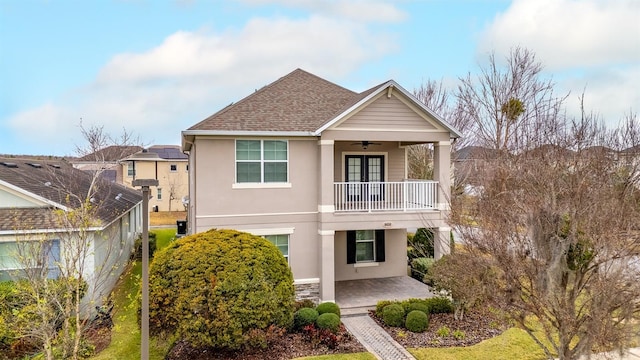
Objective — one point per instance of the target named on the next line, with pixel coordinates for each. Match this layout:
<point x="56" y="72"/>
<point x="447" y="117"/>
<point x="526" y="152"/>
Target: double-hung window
<point x="281" y="242"/>
<point x="365" y="246"/>
<point x="262" y="161"/>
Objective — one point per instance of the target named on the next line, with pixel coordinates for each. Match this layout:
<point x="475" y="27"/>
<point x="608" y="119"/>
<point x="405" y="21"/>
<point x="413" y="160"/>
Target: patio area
<point x="356" y="296"/>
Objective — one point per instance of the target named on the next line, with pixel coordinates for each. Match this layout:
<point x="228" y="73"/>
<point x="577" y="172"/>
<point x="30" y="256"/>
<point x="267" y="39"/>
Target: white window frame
<point x="131" y="169"/>
<point x="173" y="167"/>
<point x="372" y="241"/>
<point x="286" y="256"/>
<point x="262" y="161"/>
<point x="159" y="194"/>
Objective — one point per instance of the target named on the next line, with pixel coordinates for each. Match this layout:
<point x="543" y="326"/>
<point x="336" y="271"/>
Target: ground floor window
<point x="365" y="246"/>
<point x="38" y="255"/>
<point x="281" y="242"/>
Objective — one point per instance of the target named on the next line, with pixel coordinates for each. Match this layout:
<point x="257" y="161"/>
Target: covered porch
<point x="357" y="296"/>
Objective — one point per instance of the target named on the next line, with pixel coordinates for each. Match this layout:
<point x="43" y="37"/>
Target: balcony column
<point x="441" y="173"/>
<point x="327" y="270"/>
<point x="442" y="243"/>
<point x="325" y="186"/>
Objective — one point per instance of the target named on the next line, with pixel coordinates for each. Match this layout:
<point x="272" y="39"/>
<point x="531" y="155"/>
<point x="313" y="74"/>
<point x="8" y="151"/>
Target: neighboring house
<point x="469" y="164"/>
<point x="168" y="165"/>
<point x="32" y="195"/>
<point x="321" y="171"/>
<point x="106" y="160"/>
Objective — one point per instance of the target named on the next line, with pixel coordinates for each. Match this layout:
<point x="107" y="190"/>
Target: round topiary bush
<point x="304" y="317"/>
<point x="393" y="315"/>
<point x="328" y="307"/>
<point x="418" y="305"/>
<point x="212" y="288"/>
<point x="417" y="321"/>
<point x="329" y="321"/>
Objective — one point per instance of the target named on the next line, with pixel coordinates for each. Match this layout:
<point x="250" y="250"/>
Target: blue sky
<point x="155" y="68"/>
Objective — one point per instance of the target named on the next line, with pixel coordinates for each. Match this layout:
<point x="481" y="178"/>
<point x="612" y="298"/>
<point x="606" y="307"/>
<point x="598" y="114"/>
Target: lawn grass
<point x="354" y="356"/>
<point x="166" y="217"/>
<point x="512" y="344"/>
<point x="125" y="335"/>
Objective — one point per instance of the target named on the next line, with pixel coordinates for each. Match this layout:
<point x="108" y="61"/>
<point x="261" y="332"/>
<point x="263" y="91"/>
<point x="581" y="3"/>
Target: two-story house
<point x="40" y="202"/>
<point x="321" y="171"/>
<point x="168" y="165"/>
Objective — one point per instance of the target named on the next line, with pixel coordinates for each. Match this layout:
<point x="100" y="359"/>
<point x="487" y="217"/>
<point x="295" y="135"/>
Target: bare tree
<point x="559" y="223"/>
<point x="87" y="236"/>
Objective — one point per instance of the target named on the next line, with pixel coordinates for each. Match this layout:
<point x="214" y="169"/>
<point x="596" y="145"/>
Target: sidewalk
<point x="630" y="354"/>
<point x="374" y="338"/>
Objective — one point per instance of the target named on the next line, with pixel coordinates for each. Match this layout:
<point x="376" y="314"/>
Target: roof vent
<point x="55" y="166"/>
<point x="48" y="183"/>
<point x="35" y="165"/>
<point x="9" y="164"/>
<point x="119" y="196"/>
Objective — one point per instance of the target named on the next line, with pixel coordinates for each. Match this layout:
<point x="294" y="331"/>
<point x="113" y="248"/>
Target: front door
<point x="368" y="170"/>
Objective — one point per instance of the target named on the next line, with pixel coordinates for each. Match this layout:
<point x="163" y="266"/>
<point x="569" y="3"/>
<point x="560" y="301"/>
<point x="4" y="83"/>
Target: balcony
<point x="408" y="195"/>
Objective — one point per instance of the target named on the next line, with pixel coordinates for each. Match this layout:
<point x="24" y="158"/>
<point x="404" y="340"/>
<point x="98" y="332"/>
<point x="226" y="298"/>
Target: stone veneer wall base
<point x="308" y="292"/>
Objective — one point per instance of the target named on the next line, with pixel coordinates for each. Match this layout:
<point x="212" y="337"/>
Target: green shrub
<point x="304" y="317"/>
<point x="138" y="246"/>
<point x="211" y="288"/>
<point x="420" y="266"/>
<point x="458" y="334"/>
<point x="421" y="244"/>
<point x="393" y="315"/>
<point x="443" y="331"/>
<point x="440" y="305"/>
<point x="306" y="303"/>
<point x="417" y="321"/>
<point x="416" y="304"/>
<point x="8" y="300"/>
<point x="380" y="306"/>
<point x="329" y="321"/>
<point x="328" y="307"/>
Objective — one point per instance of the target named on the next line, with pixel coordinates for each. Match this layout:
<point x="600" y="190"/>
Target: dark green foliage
<point x="421" y="244"/>
<point x="306" y="303"/>
<point x="380" y="306"/>
<point x="439" y="305"/>
<point x="304" y="317"/>
<point x="416" y="304"/>
<point x="138" y="246"/>
<point x="420" y="266"/>
<point x="329" y="321"/>
<point x="328" y="307"/>
<point x="212" y="288"/>
<point x="393" y="315"/>
<point x="417" y="321"/>
<point x="8" y="301"/>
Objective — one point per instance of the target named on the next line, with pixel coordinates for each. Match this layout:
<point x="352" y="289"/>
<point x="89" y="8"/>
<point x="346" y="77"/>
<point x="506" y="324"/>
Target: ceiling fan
<point x="365" y="144"/>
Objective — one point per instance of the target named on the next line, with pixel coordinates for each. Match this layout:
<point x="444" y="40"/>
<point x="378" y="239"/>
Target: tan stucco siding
<point x="387" y="114"/>
<point x="217" y="193"/>
<point x="395" y="263"/>
<point x="173" y="184"/>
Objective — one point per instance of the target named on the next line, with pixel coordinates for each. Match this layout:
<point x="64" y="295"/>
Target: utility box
<point x="182" y="228"/>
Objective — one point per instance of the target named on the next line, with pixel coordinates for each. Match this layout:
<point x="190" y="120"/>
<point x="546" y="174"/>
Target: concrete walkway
<point x="374" y="338"/>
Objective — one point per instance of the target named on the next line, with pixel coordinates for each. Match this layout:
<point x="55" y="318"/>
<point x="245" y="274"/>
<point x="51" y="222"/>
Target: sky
<point x="153" y="68"/>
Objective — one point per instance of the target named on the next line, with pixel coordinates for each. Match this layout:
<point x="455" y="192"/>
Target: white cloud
<point x="569" y="33"/>
<point x="585" y="45"/>
<point x="358" y="10"/>
<point x="166" y="89"/>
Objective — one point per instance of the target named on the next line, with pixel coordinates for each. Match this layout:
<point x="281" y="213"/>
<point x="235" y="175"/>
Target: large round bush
<point x="393" y="315"/>
<point x="304" y="317"/>
<point x="417" y="321"/>
<point x="329" y="321"/>
<point x="213" y="287"/>
<point x="328" y="307"/>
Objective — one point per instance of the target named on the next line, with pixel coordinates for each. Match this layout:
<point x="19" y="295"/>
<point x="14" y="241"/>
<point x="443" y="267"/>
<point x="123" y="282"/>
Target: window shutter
<point x="351" y="247"/>
<point x="379" y="245"/>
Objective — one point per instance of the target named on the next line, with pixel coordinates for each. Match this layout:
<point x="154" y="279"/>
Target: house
<point x="106" y="161"/>
<point x="39" y="204"/>
<point x="321" y="171"/>
<point x="168" y="165"/>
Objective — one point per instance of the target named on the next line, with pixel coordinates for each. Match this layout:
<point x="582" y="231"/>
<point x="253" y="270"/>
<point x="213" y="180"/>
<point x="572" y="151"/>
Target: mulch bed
<point x="289" y="346"/>
<point x="477" y="326"/>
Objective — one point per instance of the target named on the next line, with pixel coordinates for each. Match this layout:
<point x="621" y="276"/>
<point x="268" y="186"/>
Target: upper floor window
<point x="262" y="161"/>
<point x="131" y="168"/>
<point x="173" y="167"/>
<point x="159" y="197"/>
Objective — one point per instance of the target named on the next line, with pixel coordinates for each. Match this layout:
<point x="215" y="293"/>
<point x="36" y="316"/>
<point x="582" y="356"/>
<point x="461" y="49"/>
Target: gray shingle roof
<point x="63" y="186"/>
<point x="168" y="152"/>
<point x="299" y="101"/>
<point x="110" y="153"/>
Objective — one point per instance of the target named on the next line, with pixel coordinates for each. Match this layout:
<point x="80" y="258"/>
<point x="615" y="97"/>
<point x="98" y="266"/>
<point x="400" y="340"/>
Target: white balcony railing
<point x="409" y="195"/>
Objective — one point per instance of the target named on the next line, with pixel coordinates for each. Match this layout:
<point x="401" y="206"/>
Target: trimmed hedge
<point x="381" y="305"/>
<point x="440" y="305"/>
<point x="393" y="315"/>
<point x="417" y="321"/>
<point x="304" y="317"/>
<point x="212" y="288"/>
<point x="328" y="307"/>
<point x="329" y="321"/>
